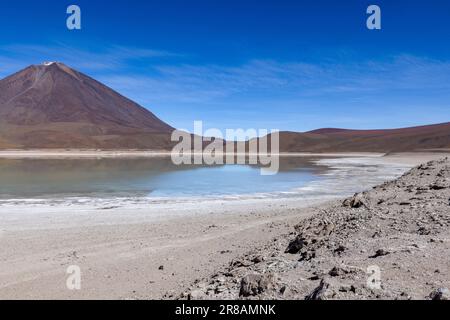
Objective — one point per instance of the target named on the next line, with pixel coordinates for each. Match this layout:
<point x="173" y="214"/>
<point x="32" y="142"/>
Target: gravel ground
<point x="392" y="242"/>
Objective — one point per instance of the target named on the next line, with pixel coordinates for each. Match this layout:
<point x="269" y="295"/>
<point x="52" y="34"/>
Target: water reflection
<point x="31" y="178"/>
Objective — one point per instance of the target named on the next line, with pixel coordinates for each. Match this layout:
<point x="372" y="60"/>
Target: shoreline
<point x="121" y="250"/>
<point x="88" y="153"/>
<point x="40" y="212"/>
<point x="76" y="154"/>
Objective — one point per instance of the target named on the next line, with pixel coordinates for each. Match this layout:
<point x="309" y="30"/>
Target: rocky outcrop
<point x="391" y="242"/>
<point x="255" y="284"/>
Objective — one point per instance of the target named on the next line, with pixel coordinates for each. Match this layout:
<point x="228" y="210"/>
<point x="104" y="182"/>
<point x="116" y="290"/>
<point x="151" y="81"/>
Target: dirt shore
<point x="392" y="242"/>
<point x="129" y="254"/>
<point x="141" y="259"/>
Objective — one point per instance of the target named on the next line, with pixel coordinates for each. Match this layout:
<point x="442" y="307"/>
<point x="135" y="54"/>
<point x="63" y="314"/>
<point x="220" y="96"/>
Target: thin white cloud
<point x="112" y="58"/>
<point x="258" y="80"/>
<point x="261" y="79"/>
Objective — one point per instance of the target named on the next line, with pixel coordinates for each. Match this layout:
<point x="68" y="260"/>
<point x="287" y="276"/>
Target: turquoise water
<point x="149" y="177"/>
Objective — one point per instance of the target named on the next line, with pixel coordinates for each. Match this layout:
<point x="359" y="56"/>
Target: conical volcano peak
<point x="54" y="65"/>
<point x="48" y="65"/>
<point x="66" y="108"/>
<point x="59" y="66"/>
<point x="51" y="63"/>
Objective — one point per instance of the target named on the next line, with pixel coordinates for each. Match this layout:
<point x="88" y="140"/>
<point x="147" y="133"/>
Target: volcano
<point x="54" y="106"/>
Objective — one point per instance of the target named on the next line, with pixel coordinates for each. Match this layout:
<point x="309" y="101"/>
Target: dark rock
<point x="380" y="253"/>
<point x="437" y="187"/>
<point x="283" y="289"/>
<point x="255" y="284"/>
<point x="322" y="292"/>
<point x="347" y="288"/>
<point x="194" y="295"/>
<point x="423" y="231"/>
<point x="296" y="245"/>
<point x="336" y="271"/>
<point x="340" y="249"/>
<point x="239" y="263"/>
<point x="161" y="268"/>
<point x="440" y="294"/>
<point x="307" y="255"/>
<point x="258" y="259"/>
<point x="377" y="234"/>
<point x="354" y="202"/>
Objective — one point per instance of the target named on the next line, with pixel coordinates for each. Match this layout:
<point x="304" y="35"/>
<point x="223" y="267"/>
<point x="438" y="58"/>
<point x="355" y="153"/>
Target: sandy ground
<point x="140" y="258"/>
<point x="122" y="261"/>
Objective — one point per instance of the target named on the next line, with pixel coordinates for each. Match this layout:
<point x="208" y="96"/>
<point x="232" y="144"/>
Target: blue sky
<point x="288" y="65"/>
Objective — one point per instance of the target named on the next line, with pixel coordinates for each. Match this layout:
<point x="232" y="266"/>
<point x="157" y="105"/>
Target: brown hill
<point x="394" y="140"/>
<point x="54" y="106"/>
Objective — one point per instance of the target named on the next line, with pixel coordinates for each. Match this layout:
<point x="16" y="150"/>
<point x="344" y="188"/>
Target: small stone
<point x="437" y="187"/>
<point x="322" y="292"/>
<point x="380" y="253"/>
<point x="258" y="259"/>
<point x="347" y="288"/>
<point x="340" y="249"/>
<point x="255" y="284"/>
<point x="440" y="294"/>
<point x="335" y="272"/>
<point x="283" y="289"/>
<point x="423" y="231"/>
<point x="238" y="263"/>
<point x="354" y="202"/>
<point x="296" y="245"/>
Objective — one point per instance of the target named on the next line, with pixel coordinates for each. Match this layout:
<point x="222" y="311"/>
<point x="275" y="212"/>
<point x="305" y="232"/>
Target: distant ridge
<point x="328" y="130"/>
<point x="419" y="138"/>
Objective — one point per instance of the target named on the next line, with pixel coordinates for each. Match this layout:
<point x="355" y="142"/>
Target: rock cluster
<point x="392" y="242"/>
